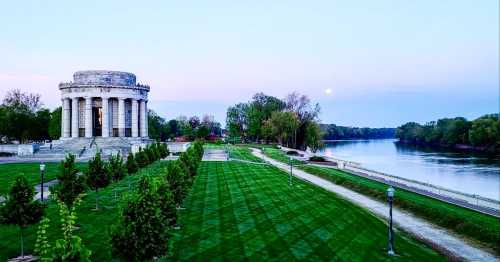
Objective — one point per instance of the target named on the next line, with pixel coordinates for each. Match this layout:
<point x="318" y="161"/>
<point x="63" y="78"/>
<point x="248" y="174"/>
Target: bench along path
<point x="418" y="227"/>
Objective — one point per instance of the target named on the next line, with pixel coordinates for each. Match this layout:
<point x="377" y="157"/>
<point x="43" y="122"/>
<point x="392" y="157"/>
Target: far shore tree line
<point x="482" y="133"/>
<point x="334" y="132"/>
<point x="291" y="122"/>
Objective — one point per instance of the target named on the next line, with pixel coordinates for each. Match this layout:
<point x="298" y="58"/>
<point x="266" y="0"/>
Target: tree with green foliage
<point x="55" y="123"/>
<point x="141" y="232"/>
<point x="42" y="245"/>
<point x="131" y="164"/>
<point x="20" y="209"/>
<point x="167" y="203"/>
<point x="141" y="158"/>
<point x="70" y="247"/>
<point x="115" y="167"/>
<point x="284" y="126"/>
<point x="314" y="137"/>
<point x="176" y="178"/>
<point x="97" y="176"/>
<point x="70" y="184"/>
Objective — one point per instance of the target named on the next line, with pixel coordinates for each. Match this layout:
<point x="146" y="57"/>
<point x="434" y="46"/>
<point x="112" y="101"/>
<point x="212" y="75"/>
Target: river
<point x="462" y="171"/>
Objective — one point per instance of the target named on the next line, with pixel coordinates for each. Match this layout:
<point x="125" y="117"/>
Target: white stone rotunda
<point x="104" y="110"/>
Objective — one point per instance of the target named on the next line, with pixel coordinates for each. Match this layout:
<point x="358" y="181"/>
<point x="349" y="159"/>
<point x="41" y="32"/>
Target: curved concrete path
<point x="420" y="228"/>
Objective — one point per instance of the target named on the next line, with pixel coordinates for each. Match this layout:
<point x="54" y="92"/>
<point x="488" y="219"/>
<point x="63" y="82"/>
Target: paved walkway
<point x="420" y="228"/>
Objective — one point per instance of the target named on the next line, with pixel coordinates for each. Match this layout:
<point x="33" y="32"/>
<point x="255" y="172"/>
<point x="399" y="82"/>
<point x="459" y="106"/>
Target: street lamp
<point x="42" y="172"/>
<point x="390" y="244"/>
<point x="290" y="171"/>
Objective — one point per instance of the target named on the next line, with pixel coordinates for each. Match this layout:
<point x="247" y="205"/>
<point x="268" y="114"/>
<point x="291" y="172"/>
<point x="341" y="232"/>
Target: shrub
<point x="176" y="178"/>
<point x="20" y="209"/>
<point x="150" y="153"/>
<point x="141" y="158"/>
<point x="115" y="167"/>
<point x="317" y="159"/>
<point x="167" y="203"/>
<point x="292" y="153"/>
<point x="131" y="164"/>
<point x="141" y="232"/>
<point x="96" y="176"/>
<point x="70" y="185"/>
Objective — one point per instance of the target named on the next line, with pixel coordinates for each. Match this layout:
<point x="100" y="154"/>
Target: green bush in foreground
<point x="20" y="209"/>
<point x="115" y="167"/>
<point x="97" y="176"/>
<point x="70" y="185"/>
<point x="141" y="233"/>
<point x="131" y="164"/>
<point x="141" y="158"/>
<point x="176" y="178"/>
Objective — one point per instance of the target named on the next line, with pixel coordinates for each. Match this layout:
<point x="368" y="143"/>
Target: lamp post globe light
<point x="42" y="172"/>
<point x="390" y="244"/>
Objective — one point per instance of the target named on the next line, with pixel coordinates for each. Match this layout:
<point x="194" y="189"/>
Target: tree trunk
<point x="22" y="242"/>
<point x="96" y="199"/>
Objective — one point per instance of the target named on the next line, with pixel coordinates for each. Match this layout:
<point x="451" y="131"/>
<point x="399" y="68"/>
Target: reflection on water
<point x="472" y="173"/>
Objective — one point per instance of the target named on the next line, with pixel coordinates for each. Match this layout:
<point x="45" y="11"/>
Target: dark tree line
<point x="190" y="128"/>
<point x="482" y="133"/>
<point x="23" y="118"/>
<point x="334" y="132"/>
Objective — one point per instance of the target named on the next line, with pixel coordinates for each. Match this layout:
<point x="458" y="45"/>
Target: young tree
<point x="176" y="178"/>
<point x="115" y="167"/>
<point x="70" y="247"/>
<point x="141" y="232"/>
<point x="20" y="209"/>
<point x="70" y="185"/>
<point x="141" y="158"/>
<point x="97" y="177"/>
<point x="131" y="164"/>
<point x="167" y="203"/>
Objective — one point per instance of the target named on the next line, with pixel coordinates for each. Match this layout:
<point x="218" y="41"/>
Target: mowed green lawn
<point x="31" y="171"/>
<point x="239" y="211"/>
<point x="94" y="225"/>
<point x="471" y="224"/>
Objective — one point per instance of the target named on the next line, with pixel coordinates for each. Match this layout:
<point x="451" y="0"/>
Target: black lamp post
<point x="42" y="172"/>
<point x="390" y="244"/>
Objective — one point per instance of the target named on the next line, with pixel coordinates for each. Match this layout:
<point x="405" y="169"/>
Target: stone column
<point x="105" y="117"/>
<point x="135" y="118"/>
<point x="66" y="118"/>
<point x="121" y="117"/>
<point x="143" y="123"/>
<point x="74" y="117"/>
<point x="88" y="116"/>
<point x="146" y="119"/>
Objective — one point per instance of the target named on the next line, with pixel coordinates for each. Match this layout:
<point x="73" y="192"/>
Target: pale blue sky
<point x="386" y="62"/>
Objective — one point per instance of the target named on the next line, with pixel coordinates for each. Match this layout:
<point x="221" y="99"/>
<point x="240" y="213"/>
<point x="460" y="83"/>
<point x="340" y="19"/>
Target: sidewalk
<point x="420" y="228"/>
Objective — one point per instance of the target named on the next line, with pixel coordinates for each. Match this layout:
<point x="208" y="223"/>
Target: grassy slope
<point x="477" y="226"/>
<point x="94" y="225"/>
<point x="247" y="211"/>
<point x="8" y="172"/>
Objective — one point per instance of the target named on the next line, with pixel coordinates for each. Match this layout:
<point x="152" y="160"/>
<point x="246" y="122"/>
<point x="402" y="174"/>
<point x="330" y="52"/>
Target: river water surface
<point x="462" y="171"/>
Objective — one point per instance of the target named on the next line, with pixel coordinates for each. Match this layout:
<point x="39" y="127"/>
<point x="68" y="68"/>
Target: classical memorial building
<point x="102" y="110"/>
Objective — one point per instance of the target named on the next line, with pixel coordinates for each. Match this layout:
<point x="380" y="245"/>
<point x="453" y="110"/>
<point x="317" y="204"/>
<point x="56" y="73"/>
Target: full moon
<point x="328" y="91"/>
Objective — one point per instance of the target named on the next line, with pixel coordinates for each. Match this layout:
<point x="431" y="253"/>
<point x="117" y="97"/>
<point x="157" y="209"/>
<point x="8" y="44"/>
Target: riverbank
<point x="470" y="224"/>
<point x="491" y="150"/>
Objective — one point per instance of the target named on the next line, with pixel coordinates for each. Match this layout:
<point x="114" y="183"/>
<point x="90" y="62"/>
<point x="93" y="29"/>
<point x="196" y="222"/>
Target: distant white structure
<point x="104" y="104"/>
